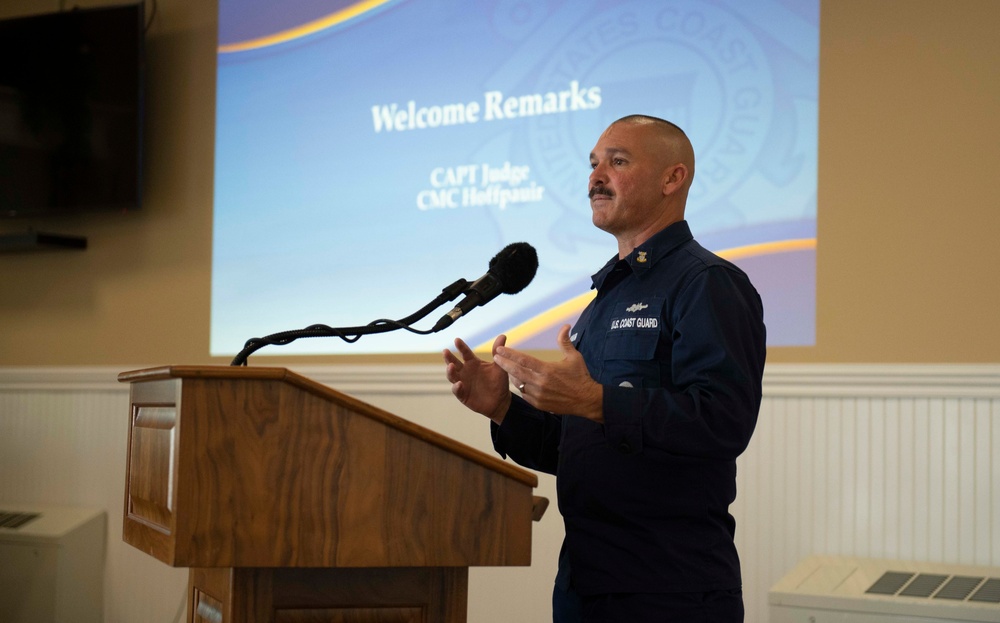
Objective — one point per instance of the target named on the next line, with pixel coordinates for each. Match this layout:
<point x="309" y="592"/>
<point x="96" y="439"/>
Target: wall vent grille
<point x="890" y="583"/>
<point x="923" y="585"/>
<point x="988" y="592"/>
<point x="13" y="520"/>
<point x="956" y="587"/>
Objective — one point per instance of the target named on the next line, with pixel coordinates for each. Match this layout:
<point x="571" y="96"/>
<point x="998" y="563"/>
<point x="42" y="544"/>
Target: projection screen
<point x="368" y="154"/>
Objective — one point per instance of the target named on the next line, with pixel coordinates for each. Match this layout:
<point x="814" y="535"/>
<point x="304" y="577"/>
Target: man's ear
<point x="674" y="178"/>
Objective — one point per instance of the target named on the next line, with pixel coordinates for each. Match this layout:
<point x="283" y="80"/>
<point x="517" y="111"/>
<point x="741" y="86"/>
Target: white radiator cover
<point x="52" y="567"/>
<point x="824" y="589"/>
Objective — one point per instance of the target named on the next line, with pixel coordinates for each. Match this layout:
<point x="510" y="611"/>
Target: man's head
<point x="642" y="168"/>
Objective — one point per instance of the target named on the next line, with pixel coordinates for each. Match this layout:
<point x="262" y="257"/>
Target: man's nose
<point x="597" y="177"/>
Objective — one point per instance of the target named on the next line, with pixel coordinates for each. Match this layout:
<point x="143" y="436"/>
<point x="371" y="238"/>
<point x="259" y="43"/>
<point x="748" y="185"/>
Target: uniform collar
<point x="647" y="254"/>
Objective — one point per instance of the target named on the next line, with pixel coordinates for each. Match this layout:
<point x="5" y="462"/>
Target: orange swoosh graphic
<point x="568" y="310"/>
<point x="334" y="19"/>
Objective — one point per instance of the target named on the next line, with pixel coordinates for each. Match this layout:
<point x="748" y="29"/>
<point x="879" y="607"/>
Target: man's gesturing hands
<point x="564" y="387"/>
<point x="479" y="385"/>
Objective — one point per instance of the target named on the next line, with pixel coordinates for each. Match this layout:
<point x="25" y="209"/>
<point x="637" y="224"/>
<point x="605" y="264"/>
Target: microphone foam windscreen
<point x="515" y="266"/>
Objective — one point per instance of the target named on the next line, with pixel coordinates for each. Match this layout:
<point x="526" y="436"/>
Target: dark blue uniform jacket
<point x="676" y="337"/>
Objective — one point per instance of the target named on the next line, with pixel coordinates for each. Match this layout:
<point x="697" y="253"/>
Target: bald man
<point x="656" y="395"/>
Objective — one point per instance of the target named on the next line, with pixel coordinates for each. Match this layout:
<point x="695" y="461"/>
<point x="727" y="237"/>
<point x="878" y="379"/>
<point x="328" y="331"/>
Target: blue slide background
<point x="318" y="216"/>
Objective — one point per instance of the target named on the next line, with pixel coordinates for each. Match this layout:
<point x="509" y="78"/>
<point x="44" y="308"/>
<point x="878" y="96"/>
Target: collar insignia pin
<point x="641" y="257"/>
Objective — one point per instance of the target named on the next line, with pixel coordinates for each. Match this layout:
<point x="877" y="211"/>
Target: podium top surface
<point x="297" y="380"/>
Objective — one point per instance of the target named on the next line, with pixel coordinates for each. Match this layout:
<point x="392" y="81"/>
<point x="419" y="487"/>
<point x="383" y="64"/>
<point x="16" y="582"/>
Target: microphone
<point x="510" y="271"/>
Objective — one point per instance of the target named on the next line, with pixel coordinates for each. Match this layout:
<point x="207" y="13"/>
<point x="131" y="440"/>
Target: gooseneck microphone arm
<point x="352" y="334"/>
<point x="511" y="270"/>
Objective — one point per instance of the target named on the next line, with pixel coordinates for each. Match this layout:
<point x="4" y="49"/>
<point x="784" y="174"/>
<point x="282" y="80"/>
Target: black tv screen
<point x="71" y="111"/>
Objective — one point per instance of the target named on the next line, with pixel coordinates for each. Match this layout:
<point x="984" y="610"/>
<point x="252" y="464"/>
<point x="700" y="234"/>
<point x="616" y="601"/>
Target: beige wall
<point x="908" y="202"/>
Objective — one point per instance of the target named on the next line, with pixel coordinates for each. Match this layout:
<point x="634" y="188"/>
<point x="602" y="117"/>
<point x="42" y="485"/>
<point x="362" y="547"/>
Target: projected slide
<point x="369" y="154"/>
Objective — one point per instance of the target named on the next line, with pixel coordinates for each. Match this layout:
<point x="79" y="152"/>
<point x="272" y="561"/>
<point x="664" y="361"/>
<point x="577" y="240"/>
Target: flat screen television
<point x="71" y="111"/>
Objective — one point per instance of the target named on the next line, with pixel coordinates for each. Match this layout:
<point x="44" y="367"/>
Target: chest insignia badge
<point x="636" y="307"/>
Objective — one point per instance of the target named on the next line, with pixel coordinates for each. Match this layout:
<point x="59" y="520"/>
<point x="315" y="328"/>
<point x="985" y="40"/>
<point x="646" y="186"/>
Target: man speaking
<point x="656" y="395"/>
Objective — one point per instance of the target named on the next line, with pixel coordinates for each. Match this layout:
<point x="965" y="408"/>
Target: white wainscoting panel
<point x="885" y="461"/>
<point x="64" y="445"/>
<point x="870" y="476"/>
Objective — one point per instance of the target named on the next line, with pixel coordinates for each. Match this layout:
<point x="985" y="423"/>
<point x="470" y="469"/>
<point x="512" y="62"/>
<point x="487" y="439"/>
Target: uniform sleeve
<point x="708" y="405"/>
<point x="529" y="436"/>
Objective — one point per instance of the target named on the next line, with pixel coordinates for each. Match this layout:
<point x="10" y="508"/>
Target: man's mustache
<point x="600" y="190"/>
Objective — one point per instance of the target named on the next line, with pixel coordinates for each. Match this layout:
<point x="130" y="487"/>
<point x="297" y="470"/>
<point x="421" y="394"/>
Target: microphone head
<point x="515" y="266"/>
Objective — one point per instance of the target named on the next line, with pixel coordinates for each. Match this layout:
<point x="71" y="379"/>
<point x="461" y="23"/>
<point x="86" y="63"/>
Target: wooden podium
<point x="294" y="503"/>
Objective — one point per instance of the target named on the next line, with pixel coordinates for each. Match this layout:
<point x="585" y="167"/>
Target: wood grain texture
<point x="272" y="470"/>
<point x="151" y="447"/>
<point x="352" y="615"/>
<point x="286" y="595"/>
<point x="150" y="498"/>
<point x="309" y="385"/>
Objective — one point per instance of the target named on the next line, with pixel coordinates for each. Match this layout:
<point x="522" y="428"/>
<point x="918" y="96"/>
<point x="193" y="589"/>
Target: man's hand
<point x="560" y="387"/>
<point x="479" y="385"/>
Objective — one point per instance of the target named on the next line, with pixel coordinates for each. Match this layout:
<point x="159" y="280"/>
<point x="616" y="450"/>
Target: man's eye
<point x="619" y="161"/>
